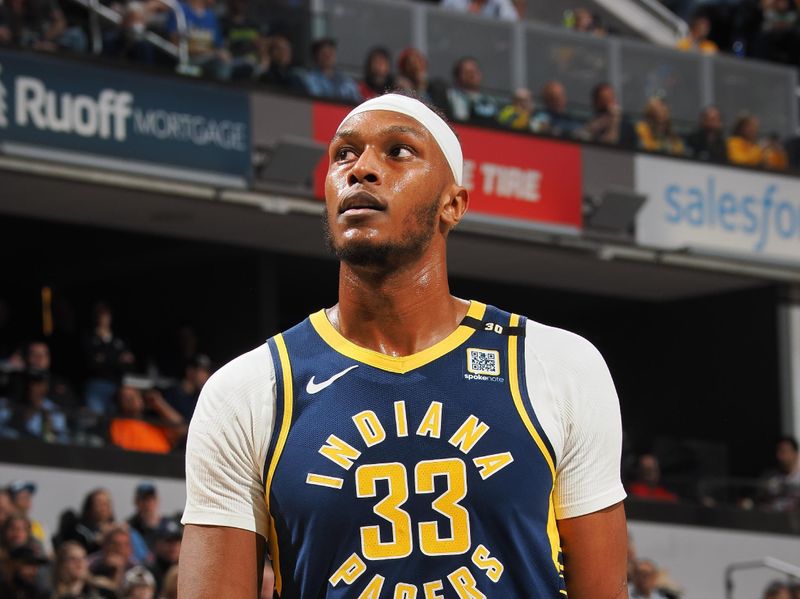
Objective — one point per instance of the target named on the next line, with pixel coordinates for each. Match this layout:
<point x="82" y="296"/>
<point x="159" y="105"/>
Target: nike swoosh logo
<point x="313" y="387"/>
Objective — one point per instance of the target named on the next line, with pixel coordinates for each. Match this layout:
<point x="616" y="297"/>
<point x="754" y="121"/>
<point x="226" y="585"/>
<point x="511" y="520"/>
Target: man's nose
<point x="366" y="169"/>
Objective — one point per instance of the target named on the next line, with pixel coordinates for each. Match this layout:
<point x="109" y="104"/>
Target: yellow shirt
<point x="648" y="141"/>
<point x="688" y="43"/>
<point x="741" y="151"/>
<point x="776" y="159"/>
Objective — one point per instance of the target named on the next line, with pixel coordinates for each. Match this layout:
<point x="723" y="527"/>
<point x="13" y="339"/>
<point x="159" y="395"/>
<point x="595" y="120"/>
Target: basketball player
<point x="405" y="444"/>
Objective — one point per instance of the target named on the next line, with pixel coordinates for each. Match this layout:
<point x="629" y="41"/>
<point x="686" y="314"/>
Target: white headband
<point x="441" y="132"/>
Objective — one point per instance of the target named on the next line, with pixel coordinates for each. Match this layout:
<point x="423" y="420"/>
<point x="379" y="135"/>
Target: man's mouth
<point x="361" y="202"/>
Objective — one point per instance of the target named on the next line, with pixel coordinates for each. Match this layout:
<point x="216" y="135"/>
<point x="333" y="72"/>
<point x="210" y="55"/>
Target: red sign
<point x="508" y="175"/>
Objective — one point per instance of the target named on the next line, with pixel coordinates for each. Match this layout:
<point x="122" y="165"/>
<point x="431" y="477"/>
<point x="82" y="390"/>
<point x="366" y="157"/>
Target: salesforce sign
<point x="718" y="209"/>
<point x="146" y="123"/>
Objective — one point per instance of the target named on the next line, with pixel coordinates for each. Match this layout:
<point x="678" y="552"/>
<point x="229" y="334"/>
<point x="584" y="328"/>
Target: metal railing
<point x="180" y="51"/>
<point x="769" y="563"/>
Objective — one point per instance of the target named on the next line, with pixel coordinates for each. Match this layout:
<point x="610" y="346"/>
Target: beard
<point x="419" y="228"/>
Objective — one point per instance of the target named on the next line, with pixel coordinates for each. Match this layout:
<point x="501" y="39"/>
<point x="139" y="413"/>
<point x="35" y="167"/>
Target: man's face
<point x="131" y="403"/>
<point x="169" y="550"/>
<point x="644" y="578"/>
<point x="39" y="356"/>
<point x="281" y="51"/>
<point x="23" y="501"/>
<point x="26" y="572"/>
<point x="649" y="471"/>
<point x="555" y="97"/>
<point x="147" y="504"/>
<point x="119" y="543"/>
<point x="326" y="56"/>
<point x="17" y="533"/>
<point x="712" y="121"/>
<point x="787" y="456"/>
<point x="469" y="75"/>
<point x="606" y="98"/>
<point x="386" y="180"/>
<point x="75" y="565"/>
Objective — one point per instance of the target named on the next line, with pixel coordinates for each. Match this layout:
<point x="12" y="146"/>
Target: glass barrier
<point x="576" y="60"/>
<point x="451" y="36"/>
<point x="741" y="85"/>
<point x="359" y="25"/>
<point x="529" y="54"/>
<point x="647" y="71"/>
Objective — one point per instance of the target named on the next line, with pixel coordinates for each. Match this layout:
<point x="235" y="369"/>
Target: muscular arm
<point x="595" y="548"/>
<point x="218" y="561"/>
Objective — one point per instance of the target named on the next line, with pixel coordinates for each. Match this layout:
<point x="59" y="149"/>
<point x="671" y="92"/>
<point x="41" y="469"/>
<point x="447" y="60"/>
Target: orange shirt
<point x="137" y="435"/>
<point x="741" y="151"/>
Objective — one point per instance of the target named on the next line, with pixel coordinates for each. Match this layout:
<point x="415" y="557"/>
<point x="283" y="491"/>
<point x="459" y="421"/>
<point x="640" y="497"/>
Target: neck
<point x="398" y="313"/>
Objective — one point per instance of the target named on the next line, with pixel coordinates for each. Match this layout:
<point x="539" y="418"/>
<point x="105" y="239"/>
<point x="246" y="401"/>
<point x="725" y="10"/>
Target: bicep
<point x="595" y="548"/>
<point x="218" y="561"/>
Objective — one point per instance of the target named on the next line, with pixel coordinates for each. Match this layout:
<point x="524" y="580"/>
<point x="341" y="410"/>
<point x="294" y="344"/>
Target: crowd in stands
<point x="224" y="41"/>
<point x="92" y="554"/>
<point x="113" y="406"/>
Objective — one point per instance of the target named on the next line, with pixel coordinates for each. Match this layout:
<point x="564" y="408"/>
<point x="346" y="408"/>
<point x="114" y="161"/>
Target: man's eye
<point x="401" y="152"/>
<point x="344" y="154"/>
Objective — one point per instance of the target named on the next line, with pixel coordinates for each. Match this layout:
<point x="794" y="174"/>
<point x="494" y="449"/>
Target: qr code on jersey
<point x="483" y="361"/>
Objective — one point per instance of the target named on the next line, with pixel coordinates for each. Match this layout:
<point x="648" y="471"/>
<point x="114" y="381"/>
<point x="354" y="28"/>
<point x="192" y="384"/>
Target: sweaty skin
<point x="391" y="201"/>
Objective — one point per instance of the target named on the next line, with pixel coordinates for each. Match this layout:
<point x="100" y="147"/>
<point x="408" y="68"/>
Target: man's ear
<point x="455" y="206"/>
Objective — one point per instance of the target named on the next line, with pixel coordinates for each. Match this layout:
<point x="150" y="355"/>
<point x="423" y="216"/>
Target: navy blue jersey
<point x="418" y="477"/>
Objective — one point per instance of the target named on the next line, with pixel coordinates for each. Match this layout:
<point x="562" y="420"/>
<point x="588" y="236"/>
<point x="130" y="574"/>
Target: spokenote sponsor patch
<point x="483" y="365"/>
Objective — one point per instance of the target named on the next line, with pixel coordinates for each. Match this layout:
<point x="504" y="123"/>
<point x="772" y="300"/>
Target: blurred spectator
<point x="281" y="73"/>
<point x="554" y="119"/>
<point x="495" y="9"/>
<point x="115" y="556"/>
<point x="325" y="79"/>
<point x="466" y="100"/>
<point x="129" y="430"/>
<point x="648" y="481"/>
<point x="183" y="397"/>
<point x="147" y="520"/>
<point x="743" y="146"/>
<point x="412" y="74"/>
<point x="794" y="589"/>
<point x="378" y="76"/>
<point x="138" y="584"/>
<point x="37" y="416"/>
<point x="607" y="125"/>
<point x="707" y="142"/>
<point x="697" y="37"/>
<point x="96" y="517"/>
<point x="37" y="358"/>
<point x="582" y="19"/>
<point x="518" y="114"/>
<point x="6" y="507"/>
<point x="782" y="486"/>
<point x="167" y="551"/>
<point x="777" y="590"/>
<point x="24" y="567"/>
<point x="779" y="40"/>
<point x="204" y="38"/>
<point x="128" y="40"/>
<point x="21" y="493"/>
<point x="169" y="587"/>
<point x="40" y="25"/>
<point x="107" y="359"/>
<point x="645" y="581"/>
<point x="16" y="533"/>
<point x="775" y="156"/>
<point x="246" y="40"/>
<point x="71" y="577"/>
<point x="655" y="130"/>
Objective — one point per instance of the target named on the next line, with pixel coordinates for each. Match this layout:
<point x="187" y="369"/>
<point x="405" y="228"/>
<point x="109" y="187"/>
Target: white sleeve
<point x="576" y="403"/>
<point x="228" y="439"/>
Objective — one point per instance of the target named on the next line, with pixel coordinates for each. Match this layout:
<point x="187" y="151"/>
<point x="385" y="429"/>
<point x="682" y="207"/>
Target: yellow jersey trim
<point x="401" y="364"/>
<point x="513" y="380"/>
<point x="288" y="397"/>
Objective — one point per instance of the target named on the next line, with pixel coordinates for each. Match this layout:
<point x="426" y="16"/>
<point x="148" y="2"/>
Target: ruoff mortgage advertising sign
<point x="718" y="209"/>
<point x="129" y="119"/>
